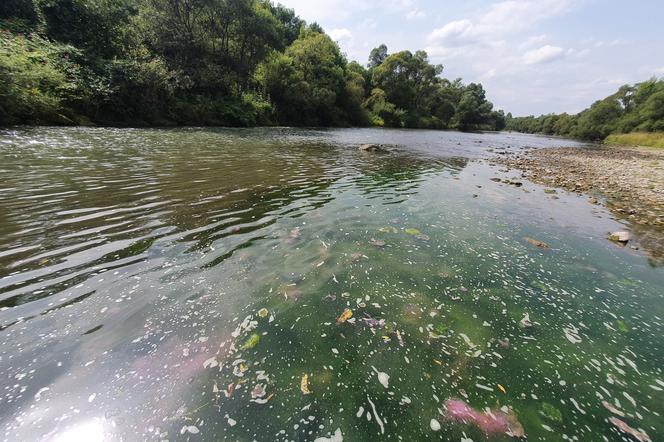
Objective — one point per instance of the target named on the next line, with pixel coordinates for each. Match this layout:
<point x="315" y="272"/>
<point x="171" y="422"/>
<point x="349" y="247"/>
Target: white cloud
<point x="503" y="18"/>
<point x="455" y="33"/>
<point x="545" y="54"/>
<point x="341" y="10"/>
<point x="532" y="41"/>
<point x="341" y="34"/>
<point x="415" y="13"/>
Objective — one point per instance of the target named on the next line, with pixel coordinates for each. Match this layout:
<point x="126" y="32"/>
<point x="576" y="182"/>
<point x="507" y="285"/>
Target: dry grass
<point x="648" y="139"/>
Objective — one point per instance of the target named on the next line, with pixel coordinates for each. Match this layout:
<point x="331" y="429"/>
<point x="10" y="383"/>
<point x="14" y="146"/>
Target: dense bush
<point x="211" y="62"/>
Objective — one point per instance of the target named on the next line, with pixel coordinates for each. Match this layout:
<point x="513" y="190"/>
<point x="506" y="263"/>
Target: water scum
<point x="468" y="331"/>
<point x="353" y="298"/>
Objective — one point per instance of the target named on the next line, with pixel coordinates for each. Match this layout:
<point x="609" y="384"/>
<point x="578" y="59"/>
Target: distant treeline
<point x="212" y="62"/>
<point x="637" y="108"/>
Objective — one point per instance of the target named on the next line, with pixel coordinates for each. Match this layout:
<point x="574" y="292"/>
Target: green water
<point x="135" y="264"/>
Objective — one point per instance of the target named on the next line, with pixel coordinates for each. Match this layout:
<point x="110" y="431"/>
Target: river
<point x="198" y="284"/>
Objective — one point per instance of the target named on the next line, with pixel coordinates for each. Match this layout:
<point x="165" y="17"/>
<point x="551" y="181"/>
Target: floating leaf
<point x="263" y="313"/>
<point x="251" y="342"/>
<point x="501" y="388"/>
<point x="304" y="384"/>
<point x="388" y="229"/>
<point x="345" y="316"/>
<point x="412" y="231"/>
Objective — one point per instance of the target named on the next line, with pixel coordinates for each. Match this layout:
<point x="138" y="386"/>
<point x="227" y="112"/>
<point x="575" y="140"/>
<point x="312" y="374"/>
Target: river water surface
<point x="198" y="284"/>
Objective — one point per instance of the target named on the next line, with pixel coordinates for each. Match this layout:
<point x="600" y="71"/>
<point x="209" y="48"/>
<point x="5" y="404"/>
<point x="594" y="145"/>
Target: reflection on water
<point x="191" y="284"/>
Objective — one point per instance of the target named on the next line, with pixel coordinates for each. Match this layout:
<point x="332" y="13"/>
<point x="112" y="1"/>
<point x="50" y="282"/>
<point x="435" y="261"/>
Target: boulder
<point x="621" y="237"/>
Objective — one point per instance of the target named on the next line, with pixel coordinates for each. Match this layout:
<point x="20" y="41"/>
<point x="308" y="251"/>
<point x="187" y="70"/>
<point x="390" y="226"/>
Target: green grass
<point x="649" y="139"/>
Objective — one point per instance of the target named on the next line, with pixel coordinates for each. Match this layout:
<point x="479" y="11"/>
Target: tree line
<point x="633" y="108"/>
<point x="212" y="62"/>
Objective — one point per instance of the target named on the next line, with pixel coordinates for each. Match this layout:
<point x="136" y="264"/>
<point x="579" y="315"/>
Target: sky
<point x="532" y="56"/>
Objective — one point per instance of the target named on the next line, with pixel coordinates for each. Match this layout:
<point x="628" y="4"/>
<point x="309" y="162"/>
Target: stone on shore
<point x="621" y="237"/>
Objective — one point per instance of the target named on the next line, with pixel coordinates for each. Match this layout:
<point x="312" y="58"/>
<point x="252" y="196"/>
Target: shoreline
<point x="628" y="180"/>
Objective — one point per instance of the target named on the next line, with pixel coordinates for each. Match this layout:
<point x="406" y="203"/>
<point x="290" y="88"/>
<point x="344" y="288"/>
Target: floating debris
<point x="263" y="313"/>
<point x="336" y="437"/>
<point x="193" y="429"/>
<point x="378" y="242"/>
<point x="612" y="409"/>
<point x="435" y="425"/>
<point x="253" y="341"/>
<point x="537" y="243"/>
<point x="304" y="384"/>
<point x="373" y="322"/>
<point x="258" y="391"/>
<point x="622" y="426"/>
<point x="525" y="321"/>
<point x="383" y="378"/>
<point x="492" y="422"/>
<point x="345" y="316"/>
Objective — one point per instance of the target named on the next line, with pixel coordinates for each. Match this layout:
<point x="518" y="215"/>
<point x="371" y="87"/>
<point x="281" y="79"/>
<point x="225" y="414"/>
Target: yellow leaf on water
<point x="345" y="316"/>
<point x="501" y="388"/>
<point x="304" y="384"/>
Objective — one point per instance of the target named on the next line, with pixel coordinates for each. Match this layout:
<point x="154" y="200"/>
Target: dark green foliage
<point x="212" y="62"/>
<point x="638" y="108"/>
<point x="18" y="10"/>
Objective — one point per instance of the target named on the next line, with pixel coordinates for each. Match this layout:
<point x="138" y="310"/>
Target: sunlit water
<point x="180" y="284"/>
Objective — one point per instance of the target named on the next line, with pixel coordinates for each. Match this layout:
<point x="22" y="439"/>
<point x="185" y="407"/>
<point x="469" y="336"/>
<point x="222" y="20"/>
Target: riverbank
<point x="630" y="180"/>
<point x="645" y="139"/>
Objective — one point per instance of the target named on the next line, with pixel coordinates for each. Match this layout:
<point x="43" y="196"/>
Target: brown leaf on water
<point x="345" y="316"/>
<point x="536" y="243"/>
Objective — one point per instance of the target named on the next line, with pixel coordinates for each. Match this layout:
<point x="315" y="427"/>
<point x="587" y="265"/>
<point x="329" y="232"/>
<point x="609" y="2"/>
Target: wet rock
<point x="377" y="148"/>
<point x="621" y="237"/>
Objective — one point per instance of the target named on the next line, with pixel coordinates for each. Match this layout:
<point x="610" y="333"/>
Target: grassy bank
<point x="650" y="139"/>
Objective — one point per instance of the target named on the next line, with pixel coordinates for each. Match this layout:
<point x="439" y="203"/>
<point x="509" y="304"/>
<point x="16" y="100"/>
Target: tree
<point x="599" y="121"/>
<point x="409" y="82"/>
<point x="473" y="111"/>
<point x="377" y="56"/>
<point x="308" y="82"/>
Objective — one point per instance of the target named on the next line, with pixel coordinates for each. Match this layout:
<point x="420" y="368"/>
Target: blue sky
<point x="532" y="56"/>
